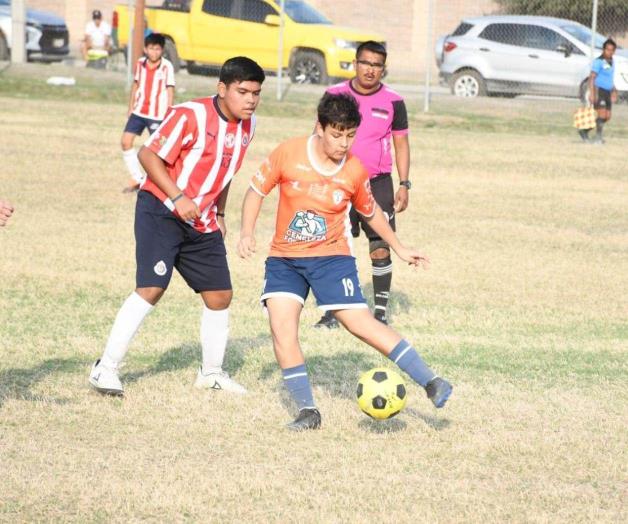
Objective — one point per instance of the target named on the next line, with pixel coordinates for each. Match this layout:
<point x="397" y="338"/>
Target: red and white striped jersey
<point x="203" y="151"/>
<point x="151" y="99"/>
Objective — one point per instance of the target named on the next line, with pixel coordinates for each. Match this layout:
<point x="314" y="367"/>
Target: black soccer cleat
<point x="328" y="320"/>
<point x="438" y="391"/>
<point x="381" y="317"/>
<point x="309" y="418"/>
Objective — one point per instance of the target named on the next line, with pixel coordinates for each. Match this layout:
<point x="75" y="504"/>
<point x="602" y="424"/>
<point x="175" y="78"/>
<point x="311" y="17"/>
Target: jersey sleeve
<point x="269" y="173"/>
<point x="136" y="77"/>
<point x="175" y="134"/>
<point x="400" y="118"/>
<point x="596" y="67"/>
<point x="170" y="76"/>
<point x="362" y="198"/>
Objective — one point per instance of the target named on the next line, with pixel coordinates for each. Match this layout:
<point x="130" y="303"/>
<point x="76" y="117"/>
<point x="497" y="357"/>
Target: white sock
<point x="214" y="334"/>
<point x="128" y="321"/>
<point x="133" y="165"/>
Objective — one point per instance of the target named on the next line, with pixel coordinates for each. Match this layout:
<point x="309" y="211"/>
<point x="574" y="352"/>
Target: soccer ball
<point x="381" y="393"/>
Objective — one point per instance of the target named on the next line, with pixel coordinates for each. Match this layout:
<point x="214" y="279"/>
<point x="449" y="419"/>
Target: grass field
<point x="524" y="309"/>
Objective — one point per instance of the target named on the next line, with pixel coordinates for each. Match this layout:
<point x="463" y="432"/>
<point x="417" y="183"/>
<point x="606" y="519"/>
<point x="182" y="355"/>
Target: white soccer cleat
<point x="105" y="380"/>
<point x="218" y="380"/>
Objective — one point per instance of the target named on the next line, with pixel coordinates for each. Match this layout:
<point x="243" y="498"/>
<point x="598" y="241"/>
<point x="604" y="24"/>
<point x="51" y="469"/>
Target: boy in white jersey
<point x="151" y="96"/>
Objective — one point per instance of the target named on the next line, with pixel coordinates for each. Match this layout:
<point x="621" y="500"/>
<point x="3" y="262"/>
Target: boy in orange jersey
<point x="319" y="181"/>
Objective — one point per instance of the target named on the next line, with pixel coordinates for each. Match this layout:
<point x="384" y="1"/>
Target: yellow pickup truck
<point x="207" y="32"/>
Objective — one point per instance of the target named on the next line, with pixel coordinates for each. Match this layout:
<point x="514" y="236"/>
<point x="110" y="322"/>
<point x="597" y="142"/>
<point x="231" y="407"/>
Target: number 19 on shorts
<point x="347" y="284"/>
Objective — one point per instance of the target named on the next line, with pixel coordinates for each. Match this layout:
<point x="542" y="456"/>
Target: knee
<point x="217" y="300"/>
<point x="126" y="143"/>
<point x="150" y="294"/>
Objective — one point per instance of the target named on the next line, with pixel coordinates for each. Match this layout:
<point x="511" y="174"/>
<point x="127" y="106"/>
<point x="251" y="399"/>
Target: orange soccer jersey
<point x="312" y="215"/>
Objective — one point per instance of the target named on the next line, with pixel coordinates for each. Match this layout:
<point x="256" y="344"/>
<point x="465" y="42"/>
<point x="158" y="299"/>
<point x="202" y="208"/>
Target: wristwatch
<point x="406" y="183"/>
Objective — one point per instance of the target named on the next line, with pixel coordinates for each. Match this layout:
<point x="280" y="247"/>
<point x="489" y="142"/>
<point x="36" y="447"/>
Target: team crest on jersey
<point x="229" y="140"/>
<point x="337" y="196"/>
<point x="160" y="268"/>
<point x="306" y="226"/>
<point x="245" y="140"/>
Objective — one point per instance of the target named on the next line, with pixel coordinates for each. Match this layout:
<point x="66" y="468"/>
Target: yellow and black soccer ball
<point x="381" y="393"/>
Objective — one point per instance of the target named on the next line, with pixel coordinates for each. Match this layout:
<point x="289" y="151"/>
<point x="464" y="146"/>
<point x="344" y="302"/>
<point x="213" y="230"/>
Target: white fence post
<point x="280" y="52"/>
<point x="593" y="29"/>
<point x="428" y="56"/>
<point x="18" y="32"/>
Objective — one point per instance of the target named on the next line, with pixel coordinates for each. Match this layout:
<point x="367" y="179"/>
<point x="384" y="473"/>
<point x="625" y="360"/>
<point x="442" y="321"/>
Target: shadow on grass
<point x="337" y="374"/>
<point x="433" y="421"/>
<point x="392" y="425"/>
<point x="189" y="355"/>
<point x="16" y="383"/>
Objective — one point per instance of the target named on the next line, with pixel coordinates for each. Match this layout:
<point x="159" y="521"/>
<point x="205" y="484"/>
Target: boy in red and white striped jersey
<point x="151" y="96"/>
<point x="179" y="219"/>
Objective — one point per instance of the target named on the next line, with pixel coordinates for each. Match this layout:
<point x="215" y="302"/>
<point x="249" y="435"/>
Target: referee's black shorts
<point x="164" y="242"/>
<point x="384" y="195"/>
<point x="603" y="99"/>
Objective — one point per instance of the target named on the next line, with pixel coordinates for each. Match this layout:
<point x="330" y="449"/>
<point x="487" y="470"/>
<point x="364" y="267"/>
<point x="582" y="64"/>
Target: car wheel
<point x="468" y="84"/>
<point x="4" y="49"/>
<point x="170" y="52"/>
<point x="308" y="68"/>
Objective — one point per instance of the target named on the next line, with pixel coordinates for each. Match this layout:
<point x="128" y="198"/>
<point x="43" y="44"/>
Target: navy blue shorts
<point x="164" y="242"/>
<point x="136" y="125"/>
<point x="333" y="280"/>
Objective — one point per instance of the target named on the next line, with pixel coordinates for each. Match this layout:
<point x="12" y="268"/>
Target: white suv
<point x="512" y="55"/>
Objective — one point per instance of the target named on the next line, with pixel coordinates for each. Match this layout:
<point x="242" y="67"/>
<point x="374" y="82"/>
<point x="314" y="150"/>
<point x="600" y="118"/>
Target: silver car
<point x="512" y="55"/>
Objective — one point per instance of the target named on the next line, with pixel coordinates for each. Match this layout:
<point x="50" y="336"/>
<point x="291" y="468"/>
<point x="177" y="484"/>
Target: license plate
<point x="58" y="42"/>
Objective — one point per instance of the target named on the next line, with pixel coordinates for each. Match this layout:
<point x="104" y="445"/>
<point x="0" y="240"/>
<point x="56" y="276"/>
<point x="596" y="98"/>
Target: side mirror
<point x="273" y="20"/>
<point x="566" y="49"/>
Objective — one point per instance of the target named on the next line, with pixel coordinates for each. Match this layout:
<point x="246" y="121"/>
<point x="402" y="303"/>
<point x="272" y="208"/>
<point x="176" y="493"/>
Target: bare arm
<point x="221" y="205"/>
<point x="250" y="211"/>
<point x="379" y="224"/>
<point x="155" y="168"/>
<point x="132" y="98"/>
<point x="592" y="93"/>
<point x="402" y="160"/>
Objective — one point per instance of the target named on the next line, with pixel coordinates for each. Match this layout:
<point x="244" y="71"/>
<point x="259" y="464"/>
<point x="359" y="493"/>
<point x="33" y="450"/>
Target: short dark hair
<point x="373" y="47"/>
<point x="241" y="69"/>
<point x="609" y="41"/>
<point x="155" y="39"/>
<point x="341" y="111"/>
<point x="96" y="15"/>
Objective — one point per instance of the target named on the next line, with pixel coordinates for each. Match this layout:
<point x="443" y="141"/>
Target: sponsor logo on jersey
<point x="337" y="196"/>
<point x="303" y="167"/>
<point x="306" y="226"/>
<point x="377" y="112"/>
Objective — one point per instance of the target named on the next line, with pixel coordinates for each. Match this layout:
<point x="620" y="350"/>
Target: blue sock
<point x="406" y="357"/>
<point x="298" y="384"/>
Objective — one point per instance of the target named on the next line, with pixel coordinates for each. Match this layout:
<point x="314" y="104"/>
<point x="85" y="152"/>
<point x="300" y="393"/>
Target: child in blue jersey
<point x="602" y="92"/>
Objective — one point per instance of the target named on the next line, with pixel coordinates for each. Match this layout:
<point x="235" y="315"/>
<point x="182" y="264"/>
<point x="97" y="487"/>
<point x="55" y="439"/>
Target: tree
<point x="612" y="15"/>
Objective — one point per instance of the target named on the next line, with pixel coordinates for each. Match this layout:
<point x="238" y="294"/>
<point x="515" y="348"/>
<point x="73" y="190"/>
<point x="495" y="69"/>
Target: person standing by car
<point x="97" y="35"/>
<point x="602" y="92"/>
<point x="384" y="127"/>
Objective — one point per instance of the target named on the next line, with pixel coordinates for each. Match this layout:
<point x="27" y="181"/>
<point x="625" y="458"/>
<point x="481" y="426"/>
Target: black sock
<point x="382" y="278"/>
<point x="600" y="126"/>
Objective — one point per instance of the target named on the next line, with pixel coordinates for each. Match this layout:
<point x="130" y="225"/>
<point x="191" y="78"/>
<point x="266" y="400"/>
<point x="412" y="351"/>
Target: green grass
<point x="524" y="309"/>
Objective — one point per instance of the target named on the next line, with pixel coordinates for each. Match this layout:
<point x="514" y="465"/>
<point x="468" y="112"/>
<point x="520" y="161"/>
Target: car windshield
<point x="302" y="13"/>
<point x="5" y="2"/>
<point x="582" y="33"/>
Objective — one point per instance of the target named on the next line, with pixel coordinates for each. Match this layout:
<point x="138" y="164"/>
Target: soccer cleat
<point x="328" y="320"/>
<point x="218" y="380"/>
<point x="309" y="418"/>
<point x="105" y="380"/>
<point x="438" y="391"/>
